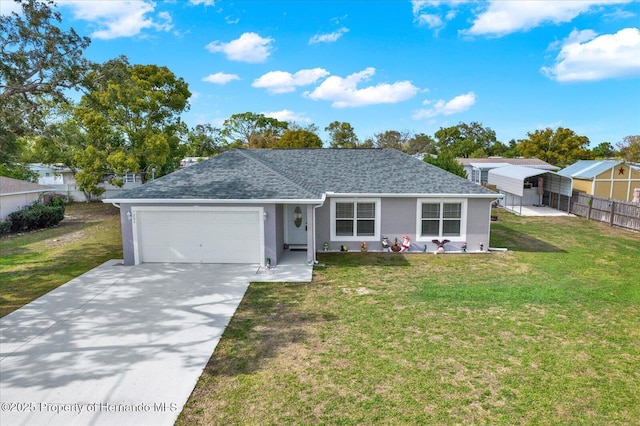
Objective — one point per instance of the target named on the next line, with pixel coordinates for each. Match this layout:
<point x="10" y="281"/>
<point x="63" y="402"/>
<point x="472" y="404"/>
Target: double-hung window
<point x="354" y="220"/>
<point x="441" y="219"/>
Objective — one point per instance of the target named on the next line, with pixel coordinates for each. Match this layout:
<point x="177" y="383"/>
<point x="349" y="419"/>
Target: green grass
<point x="35" y="263"/>
<point x="547" y="333"/>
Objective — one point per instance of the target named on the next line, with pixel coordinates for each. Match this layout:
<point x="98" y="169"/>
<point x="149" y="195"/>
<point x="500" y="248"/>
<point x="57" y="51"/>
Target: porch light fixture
<point x="129" y="216"/>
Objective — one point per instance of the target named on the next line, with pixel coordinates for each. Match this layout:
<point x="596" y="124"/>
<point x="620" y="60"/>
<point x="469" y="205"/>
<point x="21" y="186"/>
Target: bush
<point x="38" y="216"/>
<point x="55" y="200"/>
<point x="5" y="226"/>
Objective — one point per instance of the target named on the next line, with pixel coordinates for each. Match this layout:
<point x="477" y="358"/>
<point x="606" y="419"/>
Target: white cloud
<point x="288" y="116"/>
<point x="285" y="82"/>
<point x="115" y="19"/>
<point x="584" y="56"/>
<point x="505" y="17"/>
<point x="220" y="78"/>
<point x="430" y="20"/>
<point x="250" y="47"/>
<point x="328" y="38"/>
<point x="7" y="7"/>
<point x="429" y="13"/>
<point x="456" y="105"/>
<point x="343" y="92"/>
<point x="204" y="2"/>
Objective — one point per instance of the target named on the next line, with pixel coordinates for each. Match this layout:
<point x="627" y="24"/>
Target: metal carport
<point x="529" y="186"/>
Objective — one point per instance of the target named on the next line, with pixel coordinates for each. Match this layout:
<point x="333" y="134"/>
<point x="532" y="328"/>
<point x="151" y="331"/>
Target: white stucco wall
<point x="13" y="202"/>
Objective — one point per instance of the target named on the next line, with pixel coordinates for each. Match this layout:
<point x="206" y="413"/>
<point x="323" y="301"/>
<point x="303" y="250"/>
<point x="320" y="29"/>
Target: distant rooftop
<point x="588" y="169"/>
<point x="525" y="162"/>
<point x="15" y="186"/>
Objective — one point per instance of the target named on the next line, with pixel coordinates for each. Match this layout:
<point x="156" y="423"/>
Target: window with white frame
<point x="353" y="220"/>
<point x="441" y="219"/>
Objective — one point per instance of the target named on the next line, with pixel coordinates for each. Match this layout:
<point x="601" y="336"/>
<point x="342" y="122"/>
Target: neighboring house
<point x="528" y="186"/>
<point x="478" y="168"/>
<point x="62" y="179"/>
<point x="604" y="178"/>
<point x="190" y="161"/>
<point x="244" y="206"/>
<point x="17" y="194"/>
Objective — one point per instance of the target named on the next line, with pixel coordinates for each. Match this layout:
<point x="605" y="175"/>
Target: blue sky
<point x="417" y="66"/>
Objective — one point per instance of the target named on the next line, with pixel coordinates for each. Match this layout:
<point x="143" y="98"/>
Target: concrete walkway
<point x="120" y="344"/>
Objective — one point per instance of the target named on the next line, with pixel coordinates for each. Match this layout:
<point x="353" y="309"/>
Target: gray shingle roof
<point x="280" y="174"/>
<point x="16" y="186"/>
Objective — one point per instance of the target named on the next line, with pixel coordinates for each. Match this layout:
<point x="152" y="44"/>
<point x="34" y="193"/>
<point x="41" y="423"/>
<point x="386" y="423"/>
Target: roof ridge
<point x="245" y="153"/>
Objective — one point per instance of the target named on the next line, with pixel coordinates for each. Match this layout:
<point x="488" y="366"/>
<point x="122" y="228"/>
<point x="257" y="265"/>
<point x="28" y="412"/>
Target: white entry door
<point x="296" y="224"/>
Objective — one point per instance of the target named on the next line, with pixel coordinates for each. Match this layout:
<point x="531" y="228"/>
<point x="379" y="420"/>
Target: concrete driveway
<point x="117" y="345"/>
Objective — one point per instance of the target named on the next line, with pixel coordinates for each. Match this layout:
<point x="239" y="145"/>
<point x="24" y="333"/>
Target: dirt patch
<point x="65" y="239"/>
<point x="89" y="212"/>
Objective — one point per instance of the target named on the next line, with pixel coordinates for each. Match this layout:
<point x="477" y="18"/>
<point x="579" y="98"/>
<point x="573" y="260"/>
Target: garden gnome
<point x="363" y="246"/>
<point x="406" y="243"/>
<point x="385" y="244"/>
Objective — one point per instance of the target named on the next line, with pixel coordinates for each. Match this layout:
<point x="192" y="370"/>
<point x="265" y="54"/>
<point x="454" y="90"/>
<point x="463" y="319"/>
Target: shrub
<point x="55" y="200"/>
<point x="38" y="216"/>
<point x="5" y="226"/>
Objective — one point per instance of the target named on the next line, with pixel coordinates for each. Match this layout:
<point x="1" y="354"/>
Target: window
<point x="354" y="220"/>
<point x="441" y="219"/>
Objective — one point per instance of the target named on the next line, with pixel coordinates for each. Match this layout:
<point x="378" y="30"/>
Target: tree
<point x="135" y="110"/>
<point x="299" y="138"/>
<point x="204" y="140"/>
<point x="252" y="130"/>
<point x="342" y="135"/>
<point x="499" y="149"/>
<point x="561" y="147"/>
<point x="630" y="148"/>
<point x="39" y="64"/>
<point x="603" y="150"/>
<point x="463" y="140"/>
<point x="392" y="139"/>
<point x="127" y="122"/>
<point x="420" y="144"/>
<point x="446" y="161"/>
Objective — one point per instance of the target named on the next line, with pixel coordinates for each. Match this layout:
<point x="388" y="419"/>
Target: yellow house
<point x="604" y="178"/>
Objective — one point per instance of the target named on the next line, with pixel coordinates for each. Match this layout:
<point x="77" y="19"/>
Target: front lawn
<point x="34" y="263"/>
<point x="547" y="333"/>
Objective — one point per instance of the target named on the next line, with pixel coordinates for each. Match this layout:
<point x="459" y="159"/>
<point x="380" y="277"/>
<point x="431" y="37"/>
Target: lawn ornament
<point x="385" y="244"/>
<point x="396" y="247"/>
<point x="363" y="247"/>
<point x="406" y="243"/>
<point x="440" y="245"/>
<point x="325" y="246"/>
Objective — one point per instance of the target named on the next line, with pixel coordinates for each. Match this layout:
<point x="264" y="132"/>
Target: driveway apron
<point x="117" y="345"/>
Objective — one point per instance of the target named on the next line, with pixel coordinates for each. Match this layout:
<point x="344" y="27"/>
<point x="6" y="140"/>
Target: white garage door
<point x="213" y="235"/>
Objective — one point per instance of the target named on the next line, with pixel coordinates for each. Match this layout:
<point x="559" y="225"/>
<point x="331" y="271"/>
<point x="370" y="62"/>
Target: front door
<point x="296" y="224"/>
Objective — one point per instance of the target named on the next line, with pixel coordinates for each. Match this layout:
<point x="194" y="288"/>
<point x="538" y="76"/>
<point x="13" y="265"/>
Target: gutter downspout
<point x="313" y="219"/>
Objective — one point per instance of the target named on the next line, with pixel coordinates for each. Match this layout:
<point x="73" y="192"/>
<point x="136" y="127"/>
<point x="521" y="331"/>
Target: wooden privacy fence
<point x="614" y="212"/>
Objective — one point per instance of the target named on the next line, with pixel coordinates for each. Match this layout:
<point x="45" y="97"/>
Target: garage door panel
<point x="204" y="236"/>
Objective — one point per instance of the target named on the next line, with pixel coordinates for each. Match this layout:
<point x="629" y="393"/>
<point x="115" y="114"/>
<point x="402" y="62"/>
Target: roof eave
<point x="31" y="191"/>
<point x="413" y="195"/>
<point x="212" y="201"/>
